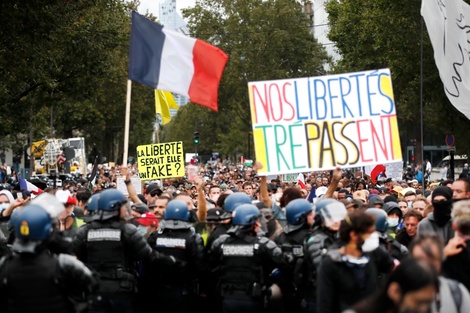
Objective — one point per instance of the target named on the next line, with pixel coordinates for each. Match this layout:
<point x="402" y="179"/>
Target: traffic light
<point x="196" y="138"/>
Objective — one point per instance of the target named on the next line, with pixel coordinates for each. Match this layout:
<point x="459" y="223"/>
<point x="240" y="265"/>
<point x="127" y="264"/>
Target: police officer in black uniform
<point x="243" y="262"/>
<point x="111" y="247"/>
<point x="296" y="287"/>
<point x="328" y="216"/>
<point x="208" y="294"/>
<point x="230" y="204"/>
<point x="35" y="280"/>
<point x="173" y="288"/>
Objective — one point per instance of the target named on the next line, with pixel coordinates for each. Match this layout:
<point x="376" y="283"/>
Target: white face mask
<point x="371" y="243"/>
<point x="142" y="230"/>
<point x="410" y="205"/>
<point x="3" y="206"/>
<point x="392" y="221"/>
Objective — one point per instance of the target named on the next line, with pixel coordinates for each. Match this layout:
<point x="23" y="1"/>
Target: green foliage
<point x="64" y="63"/>
<point x="387" y="34"/>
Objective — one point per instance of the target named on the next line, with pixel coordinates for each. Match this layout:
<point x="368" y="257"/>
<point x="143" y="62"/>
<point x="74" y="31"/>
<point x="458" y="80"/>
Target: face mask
<point x="142" y="230"/>
<point x="392" y="221"/>
<point x="410" y="205"/>
<point x="3" y="206"/>
<point x="371" y="243"/>
<point x="442" y="212"/>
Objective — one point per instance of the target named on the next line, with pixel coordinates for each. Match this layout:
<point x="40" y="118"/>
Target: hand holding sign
<point x="257" y="165"/>
<point x="337" y="173"/>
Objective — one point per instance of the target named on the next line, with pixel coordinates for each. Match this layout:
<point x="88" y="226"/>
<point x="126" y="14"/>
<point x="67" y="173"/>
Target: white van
<point x="459" y="161"/>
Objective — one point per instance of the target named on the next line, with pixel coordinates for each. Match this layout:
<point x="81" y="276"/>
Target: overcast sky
<point x="153" y="5"/>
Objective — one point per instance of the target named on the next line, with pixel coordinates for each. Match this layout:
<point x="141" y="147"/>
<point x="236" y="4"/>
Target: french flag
<point x="164" y="59"/>
<point x="26" y="185"/>
<point x="301" y="180"/>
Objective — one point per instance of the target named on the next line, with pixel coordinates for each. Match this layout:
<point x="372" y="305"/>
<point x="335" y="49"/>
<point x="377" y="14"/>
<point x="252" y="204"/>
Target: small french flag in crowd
<point x="301" y="180"/>
<point x="26" y="185"/>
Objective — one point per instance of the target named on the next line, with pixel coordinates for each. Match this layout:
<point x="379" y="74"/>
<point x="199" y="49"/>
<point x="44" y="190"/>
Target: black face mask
<point x="442" y="210"/>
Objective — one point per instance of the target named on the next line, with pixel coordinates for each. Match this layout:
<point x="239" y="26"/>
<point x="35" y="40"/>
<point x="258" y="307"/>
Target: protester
<point x="452" y="295"/>
<point x="440" y="220"/>
<point x="411" y="287"/>
<point x="410" y="229"/>
<point x="351" y="273"/>
<point x="457" y="263"/>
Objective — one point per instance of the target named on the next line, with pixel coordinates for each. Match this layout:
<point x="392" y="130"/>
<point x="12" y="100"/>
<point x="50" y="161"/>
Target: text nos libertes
<point x="331" y="120"/>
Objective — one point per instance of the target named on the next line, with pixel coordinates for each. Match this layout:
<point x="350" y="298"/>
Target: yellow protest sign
<point x="161" y="160"/>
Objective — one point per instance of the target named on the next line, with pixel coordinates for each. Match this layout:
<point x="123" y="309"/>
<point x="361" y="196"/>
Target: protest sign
<point x="391" y="170"/>
<point x="318" y="123"/>
<point x="135" y="181"/>
<point x="161" y="160"/>
<point x="192" y="172"/>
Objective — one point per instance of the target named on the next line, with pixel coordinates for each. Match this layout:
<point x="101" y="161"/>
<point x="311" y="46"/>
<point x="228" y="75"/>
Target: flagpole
<point x="126" y="126"/>
<point x="157" y="132"/>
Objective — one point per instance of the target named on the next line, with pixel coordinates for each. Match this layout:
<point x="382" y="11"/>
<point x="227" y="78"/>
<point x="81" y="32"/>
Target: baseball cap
<point x="320" y="192"/>
<point x="148" y="219"/>
<point x="359" y="195"/>
<point x="140" y="208"/>
<point x="153" y="189"/>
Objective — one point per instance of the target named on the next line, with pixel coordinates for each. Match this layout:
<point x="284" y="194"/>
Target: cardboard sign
<point x="161" y="160"/>
<point x="135" y="181"/>
<point x="318" y="123"/>
<point x="392" y="170"/>
<point x="192" y="172"/>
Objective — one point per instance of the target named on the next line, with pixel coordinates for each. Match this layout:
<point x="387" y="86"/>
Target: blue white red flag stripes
<point x="26" y="185"/>
<point x="301" y="180"/>
<point x="164" y="59"/>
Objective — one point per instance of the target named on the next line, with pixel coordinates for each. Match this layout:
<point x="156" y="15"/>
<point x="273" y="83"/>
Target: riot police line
<point x="120" y="269"/>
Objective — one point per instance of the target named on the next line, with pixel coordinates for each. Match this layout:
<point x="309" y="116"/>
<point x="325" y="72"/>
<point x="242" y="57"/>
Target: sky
<point x="153" y="5"/>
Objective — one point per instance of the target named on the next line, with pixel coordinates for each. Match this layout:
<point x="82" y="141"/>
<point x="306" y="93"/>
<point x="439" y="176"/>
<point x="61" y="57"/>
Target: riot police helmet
<point x="91" y="207"/>
<point x="297" y="211"/>
<point x="331" y="212"/>
<point x="110" y="201"/>
<point x="233" y="201"/>
<point x="92" y="203"/>
<point x="380" y="217"/>
<point x="236" y="199"/>
<point x="177" y="210"/>
<point x="32" y="225"/>
<point x="245" y="214"/>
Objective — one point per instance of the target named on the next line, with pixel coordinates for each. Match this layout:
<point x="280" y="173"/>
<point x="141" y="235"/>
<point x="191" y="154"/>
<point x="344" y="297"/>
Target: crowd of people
<point x="230" y="240"/>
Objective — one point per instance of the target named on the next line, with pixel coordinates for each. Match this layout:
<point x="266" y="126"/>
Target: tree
<point x="387" y="34"/>
<point x="64" y="64"/>
<point x="265" y="40"/>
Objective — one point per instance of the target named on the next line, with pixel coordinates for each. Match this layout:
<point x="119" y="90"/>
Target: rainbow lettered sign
<point x="317" y="123"/>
